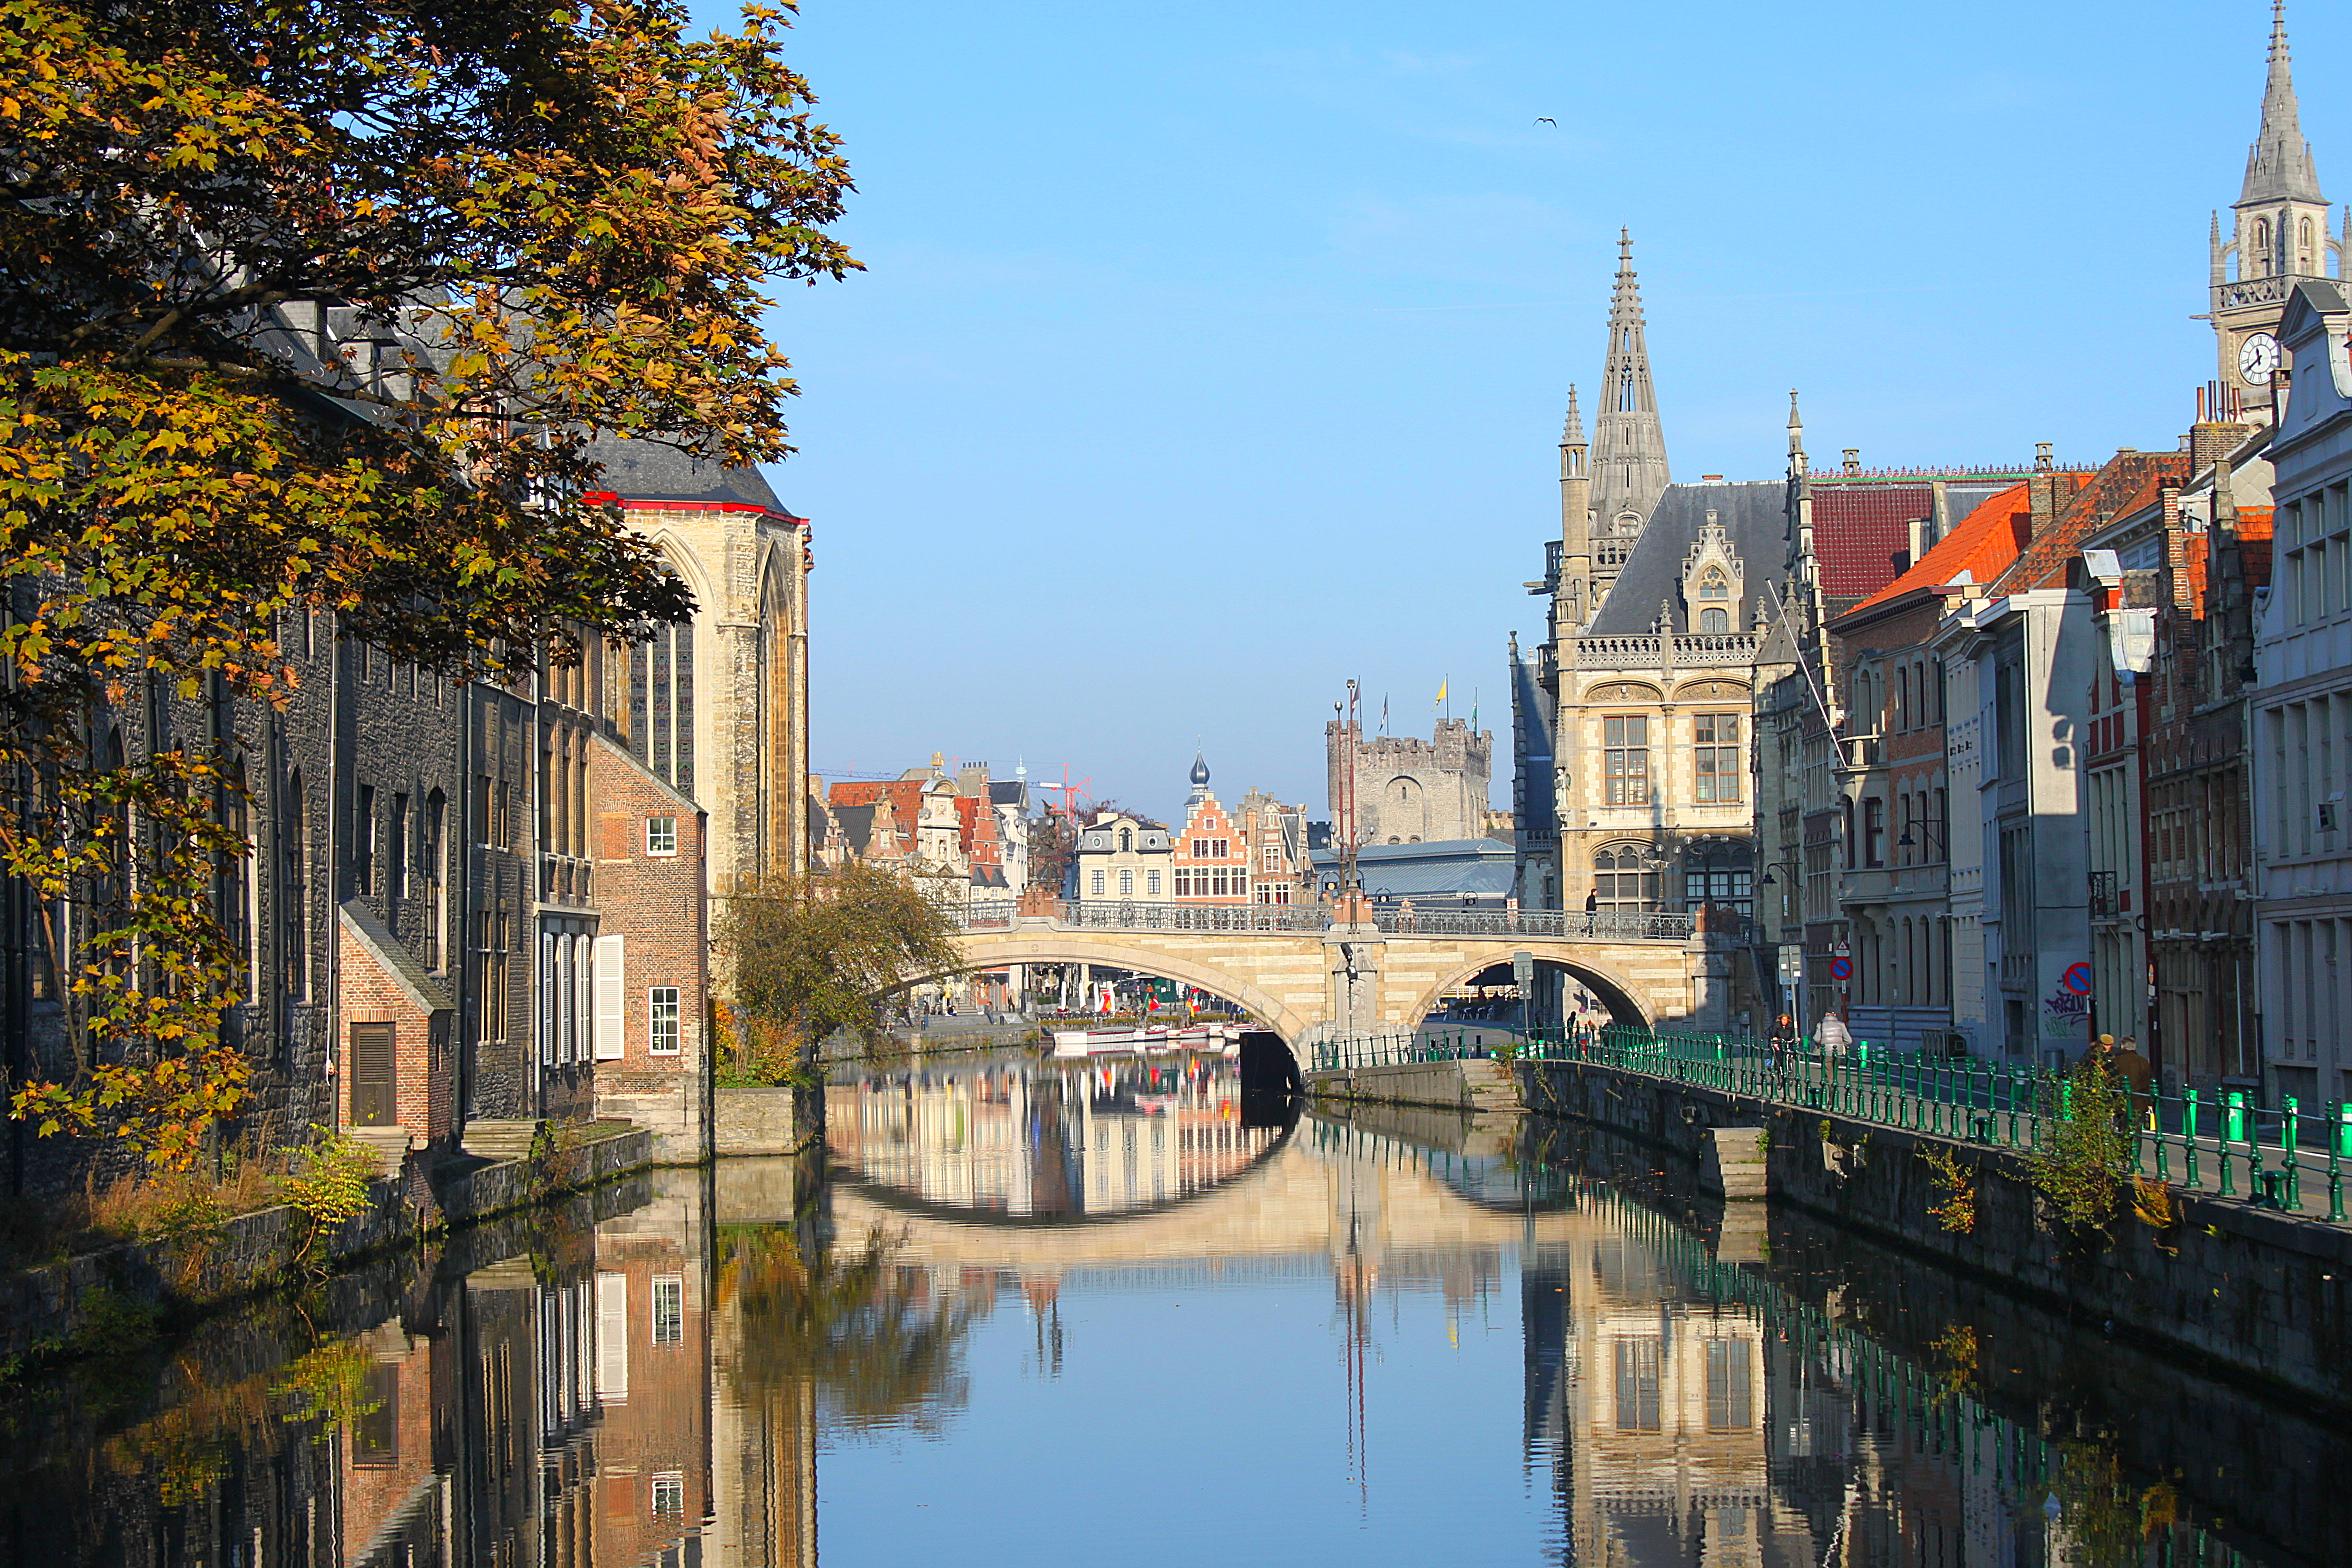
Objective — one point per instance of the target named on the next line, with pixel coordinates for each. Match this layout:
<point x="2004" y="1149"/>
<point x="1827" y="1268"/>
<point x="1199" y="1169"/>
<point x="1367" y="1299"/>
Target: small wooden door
<point x="374" y="1078"/>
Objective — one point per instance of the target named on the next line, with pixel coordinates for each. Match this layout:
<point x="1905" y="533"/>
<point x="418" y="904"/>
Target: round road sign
<point x="2077" y="979"/>
<point x="1841" y="969"/>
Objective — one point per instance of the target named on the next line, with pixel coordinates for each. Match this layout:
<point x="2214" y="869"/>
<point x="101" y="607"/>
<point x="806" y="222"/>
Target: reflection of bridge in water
<point x="1305" y="977"/>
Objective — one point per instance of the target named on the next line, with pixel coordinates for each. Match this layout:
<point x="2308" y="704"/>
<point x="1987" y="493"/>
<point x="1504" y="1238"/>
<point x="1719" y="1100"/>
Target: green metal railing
<point x="2224" y="1142"/>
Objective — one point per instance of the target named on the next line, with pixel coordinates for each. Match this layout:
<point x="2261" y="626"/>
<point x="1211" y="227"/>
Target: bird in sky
<point x="1545" y="119"/>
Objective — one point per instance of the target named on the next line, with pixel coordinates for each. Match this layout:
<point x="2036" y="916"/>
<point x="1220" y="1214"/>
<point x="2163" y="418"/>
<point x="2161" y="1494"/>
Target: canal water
<point x="1029" y="1311"/>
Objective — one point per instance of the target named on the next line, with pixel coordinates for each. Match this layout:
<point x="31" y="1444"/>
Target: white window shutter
<point x="612" y="1336"/>
<point x="611" y="1006"/>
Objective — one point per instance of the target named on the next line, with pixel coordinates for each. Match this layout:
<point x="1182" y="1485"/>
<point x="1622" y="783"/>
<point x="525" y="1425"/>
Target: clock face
<point x="2258" y="359"/>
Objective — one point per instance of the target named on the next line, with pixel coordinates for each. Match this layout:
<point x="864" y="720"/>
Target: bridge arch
<point x="1624" y="999"/>
<point x="997" y="950"/>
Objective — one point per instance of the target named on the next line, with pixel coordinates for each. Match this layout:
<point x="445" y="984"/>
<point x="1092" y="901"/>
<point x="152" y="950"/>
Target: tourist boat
<point x="1222" y="1039"/>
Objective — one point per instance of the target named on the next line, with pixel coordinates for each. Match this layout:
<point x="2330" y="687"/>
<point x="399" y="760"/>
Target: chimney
<point x="2043" y="489"/>
<point x="2211" y="440"/>
<point x="1853" y="456"/>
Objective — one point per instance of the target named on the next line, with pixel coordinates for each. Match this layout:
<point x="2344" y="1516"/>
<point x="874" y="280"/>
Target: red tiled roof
<point x="2256" y="527"/>
<point x="2128" y="482"/>
<point x="1861" y="532"/>
<point x="1982" y="544"/>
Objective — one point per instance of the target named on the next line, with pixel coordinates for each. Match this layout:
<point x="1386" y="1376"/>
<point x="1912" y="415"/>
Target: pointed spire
<point x="2278" y="165"/>
<point x="1629" y="445"/>
<point x="2220" y="267"/>
<point x="1572" y="430"/>
<point x="1796" y="430"/>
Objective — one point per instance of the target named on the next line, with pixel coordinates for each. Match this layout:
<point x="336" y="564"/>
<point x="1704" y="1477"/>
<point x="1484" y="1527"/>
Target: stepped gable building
<point x="1408" y="790"/>
<point x="2278" y="239"/>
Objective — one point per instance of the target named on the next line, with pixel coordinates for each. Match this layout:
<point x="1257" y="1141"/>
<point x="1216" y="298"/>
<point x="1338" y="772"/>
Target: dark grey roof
<point x="856" y="826"/>
<point x="1008" y="792"/>
<point x="1480" y="867"/>
<point x="1754" y="519"/>
<point x="649" y="471"/>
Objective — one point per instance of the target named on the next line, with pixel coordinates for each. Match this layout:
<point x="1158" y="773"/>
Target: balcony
<point x="1859" y="753"/>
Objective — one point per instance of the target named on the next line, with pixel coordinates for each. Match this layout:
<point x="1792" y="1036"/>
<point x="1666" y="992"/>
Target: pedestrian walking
<point x="1834" y="1038"/>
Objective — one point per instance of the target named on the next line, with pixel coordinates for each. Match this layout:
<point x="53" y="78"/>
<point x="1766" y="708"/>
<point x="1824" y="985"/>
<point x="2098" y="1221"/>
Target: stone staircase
<point x="390" y="1144"/>
<point x="500" y="1140"/>
<point x="1733" y="1163"/>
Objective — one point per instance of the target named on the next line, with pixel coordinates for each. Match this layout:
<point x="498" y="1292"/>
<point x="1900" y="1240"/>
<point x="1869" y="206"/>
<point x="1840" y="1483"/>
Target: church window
<point x="1716" y="758"/>
<point x="2303" y="247"/>
<point x="1625" y="879"/>
<point x="2262" y="247"/>
<point x="661" y="703"/>
<point x="1714" y="620"/>
<point x="1626" y="768"/>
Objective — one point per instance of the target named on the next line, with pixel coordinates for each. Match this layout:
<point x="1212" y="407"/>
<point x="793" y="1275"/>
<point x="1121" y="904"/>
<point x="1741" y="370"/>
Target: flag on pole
<point x="1441" y="691"/>
<point x="1384" y="713"/>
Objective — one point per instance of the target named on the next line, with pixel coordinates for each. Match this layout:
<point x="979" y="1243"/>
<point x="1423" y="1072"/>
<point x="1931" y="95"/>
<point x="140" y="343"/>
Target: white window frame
<point x="654" y="1002"/>
<point x="661" y="836"/>
<point x="668" y="1303"/>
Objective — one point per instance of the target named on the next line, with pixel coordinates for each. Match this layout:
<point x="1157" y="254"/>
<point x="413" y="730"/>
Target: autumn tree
<point x="317" y="305"/>
<point x="806" y="958"/>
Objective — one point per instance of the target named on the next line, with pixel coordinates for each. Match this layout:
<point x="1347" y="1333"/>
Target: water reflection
<point x="1051" y="1140"/>
<point x="1416" y="1339"/>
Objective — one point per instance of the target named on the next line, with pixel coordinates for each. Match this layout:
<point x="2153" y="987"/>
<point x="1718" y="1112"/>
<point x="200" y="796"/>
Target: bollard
<point x="2290" y="1157"/>
<point x="2335" y="1168"/>
<point x="2189" y="1139"/>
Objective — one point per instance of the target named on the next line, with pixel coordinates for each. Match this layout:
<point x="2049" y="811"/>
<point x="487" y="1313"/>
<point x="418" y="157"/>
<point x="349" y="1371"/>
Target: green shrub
<point x="330" y="1185"/>
<point x="2082" y="1170"/>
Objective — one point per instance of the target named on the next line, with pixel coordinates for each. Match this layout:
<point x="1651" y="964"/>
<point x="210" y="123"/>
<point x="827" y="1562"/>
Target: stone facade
<point x="1209" y="859"/>
<point x="1411" y="791"/>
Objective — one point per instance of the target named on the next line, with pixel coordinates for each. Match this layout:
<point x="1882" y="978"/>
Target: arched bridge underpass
<point x="1307" y="978"/>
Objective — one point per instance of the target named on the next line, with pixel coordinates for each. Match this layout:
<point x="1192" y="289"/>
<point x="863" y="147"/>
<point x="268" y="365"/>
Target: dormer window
<point x="1714" y="603"/>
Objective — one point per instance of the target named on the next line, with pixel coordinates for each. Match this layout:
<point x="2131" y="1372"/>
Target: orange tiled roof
<point x="2129" y="481"/>
<point x="1982" y="544"/>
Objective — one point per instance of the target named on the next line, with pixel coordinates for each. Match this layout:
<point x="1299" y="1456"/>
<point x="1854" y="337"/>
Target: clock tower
<point x="2280" y="237"/>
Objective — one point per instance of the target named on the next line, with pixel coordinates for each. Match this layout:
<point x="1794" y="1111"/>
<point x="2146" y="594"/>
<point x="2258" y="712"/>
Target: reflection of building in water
<point x="1101" y="1137"/>
<point x="1651" y="1405"/>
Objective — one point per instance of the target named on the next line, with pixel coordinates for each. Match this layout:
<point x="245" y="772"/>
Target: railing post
<point x="2189" y="1140"/>
<point x="2233" y="1116"/>
<point x="2291" y="1156"/>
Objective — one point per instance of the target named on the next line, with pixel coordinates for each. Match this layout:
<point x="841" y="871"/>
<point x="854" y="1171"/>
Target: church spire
<point x="2278" y="165"/>
<point x="1629" y="446"/>
<point x="1572" y="429"/>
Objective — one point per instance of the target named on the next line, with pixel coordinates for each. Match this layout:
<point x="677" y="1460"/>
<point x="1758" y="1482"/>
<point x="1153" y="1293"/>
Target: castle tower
<point x="2279" y="237"/>
<point x="1574" y="603"/>
<point x="1629" y="445"/>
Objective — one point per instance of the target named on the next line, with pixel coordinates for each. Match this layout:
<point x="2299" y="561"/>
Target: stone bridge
<point x="1307" y="976"/>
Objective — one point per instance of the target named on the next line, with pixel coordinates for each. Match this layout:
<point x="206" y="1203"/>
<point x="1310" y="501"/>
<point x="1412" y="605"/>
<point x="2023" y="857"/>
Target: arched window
<point x="233" y="888"/>
<point x="2262" y="247"/>
<point x="1625" y="878"/>
<point x="1723" y="875"/>
<point x="1714" y="620"/>
<point x="433" y="866"/>
<point x="1126" y="841"/>
<point x="2303" y="252"/>
<point x="661" y="704"/>
<point x="293" y="891"/>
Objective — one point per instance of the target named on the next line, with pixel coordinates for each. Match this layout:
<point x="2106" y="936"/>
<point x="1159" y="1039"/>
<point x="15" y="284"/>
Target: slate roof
<point x="1441" y="868"/>
<point x="1754" y="519"/>
<point x="649" y="471"/>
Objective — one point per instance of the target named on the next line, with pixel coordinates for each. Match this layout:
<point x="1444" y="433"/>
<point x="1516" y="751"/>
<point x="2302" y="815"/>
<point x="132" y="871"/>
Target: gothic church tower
<point x="2280" y="238"/>
<point x="1629" y="446"/>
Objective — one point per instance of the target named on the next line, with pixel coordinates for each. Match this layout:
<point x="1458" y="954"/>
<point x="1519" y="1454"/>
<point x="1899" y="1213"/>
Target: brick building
<point x="1209" y="860"/>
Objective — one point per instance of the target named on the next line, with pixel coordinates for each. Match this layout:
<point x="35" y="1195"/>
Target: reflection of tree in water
<point x="875" y="1337"/>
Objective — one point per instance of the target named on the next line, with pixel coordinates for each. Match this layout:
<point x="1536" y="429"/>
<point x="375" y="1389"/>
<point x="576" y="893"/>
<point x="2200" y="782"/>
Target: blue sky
<point x="1208" y="356"/>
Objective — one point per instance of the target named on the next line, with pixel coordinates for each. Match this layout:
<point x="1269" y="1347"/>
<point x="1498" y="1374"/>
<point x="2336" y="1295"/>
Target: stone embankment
<point x="1474" y="1086"/>
<point x="2258" y="1292"/>
<point x="54" y="1312"/>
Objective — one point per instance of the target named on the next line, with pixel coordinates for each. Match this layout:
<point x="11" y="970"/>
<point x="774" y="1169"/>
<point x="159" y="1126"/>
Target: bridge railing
<point x="1395" y="1050"/>
<point x="1130" y="915"/>
<point x="2224" y="1142"/>
<point x="1605" y="925"/>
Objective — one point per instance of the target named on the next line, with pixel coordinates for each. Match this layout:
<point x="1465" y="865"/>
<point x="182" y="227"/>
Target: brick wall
<point x="656" y="904"/>
<point x="373" y="994"/>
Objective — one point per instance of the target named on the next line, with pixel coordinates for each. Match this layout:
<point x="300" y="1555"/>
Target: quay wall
<point x="1466" y="1085"/>
<point x="2255" y="1291"/>
<point x="61" y="1310"/>
<point x="766" y="1121"/>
